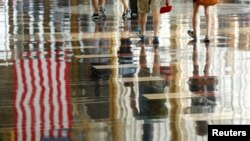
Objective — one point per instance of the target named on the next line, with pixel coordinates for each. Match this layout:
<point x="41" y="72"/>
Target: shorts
<point x="144" y="6"/>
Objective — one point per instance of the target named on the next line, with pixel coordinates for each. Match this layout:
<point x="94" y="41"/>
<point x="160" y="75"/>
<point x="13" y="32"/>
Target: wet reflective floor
<point x="65" y="77"/>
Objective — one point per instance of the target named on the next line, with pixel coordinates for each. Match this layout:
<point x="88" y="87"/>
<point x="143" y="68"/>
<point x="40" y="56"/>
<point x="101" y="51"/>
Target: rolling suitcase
<point x="133" y="7"/>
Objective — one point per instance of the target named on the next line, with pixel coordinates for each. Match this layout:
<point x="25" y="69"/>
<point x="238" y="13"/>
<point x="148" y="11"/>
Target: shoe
<point x="191" y="34"/>
<point x="141" y="36"/>
<point x="126" y="14"/>
<point x="103" y="13"/>
<point x="95" y="16"/>
<point x="155" y="40"/>
<point x="206" y="39"/>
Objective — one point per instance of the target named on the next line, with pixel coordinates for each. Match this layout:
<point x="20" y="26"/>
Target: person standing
<point x="193" y="33"/>
<point x="144" y="6"/>
<point x="95" y="3"/>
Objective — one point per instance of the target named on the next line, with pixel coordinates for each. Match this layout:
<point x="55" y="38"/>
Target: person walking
<point x="144" y="6"/>
<point x="193" y="33"/>
<point x="126" y="10"/>
<point x="96" y="16"/>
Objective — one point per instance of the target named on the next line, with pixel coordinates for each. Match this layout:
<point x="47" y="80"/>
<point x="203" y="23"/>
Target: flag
<point x="41" y="97"/>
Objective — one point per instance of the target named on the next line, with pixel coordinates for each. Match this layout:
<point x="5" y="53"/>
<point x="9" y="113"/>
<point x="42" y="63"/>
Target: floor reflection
<point x="67" y="77"/>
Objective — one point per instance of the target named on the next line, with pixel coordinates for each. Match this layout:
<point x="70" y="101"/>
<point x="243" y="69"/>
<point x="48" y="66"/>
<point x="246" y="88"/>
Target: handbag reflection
<point x="207" y="2"/>
<point x="167" y="7"/>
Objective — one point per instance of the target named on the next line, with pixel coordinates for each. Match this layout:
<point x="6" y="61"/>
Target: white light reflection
<point x="5" y="53"/>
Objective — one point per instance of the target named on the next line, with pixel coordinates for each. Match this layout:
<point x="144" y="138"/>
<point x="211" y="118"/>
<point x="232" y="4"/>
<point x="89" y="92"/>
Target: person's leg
<point x="208" y="23"/>
<point x="103" y="3"/>
<point x="95" y="16"/>
<point x="156" y="21"/>
<point x="142" y="22"/>
<point x="95" y="5"/>
<point x="126" y="11"/>
<point x="125" y="5"/>
<point x="155" y="6"/>
<point x="102" y="8"/>
<point x="143" y="8"/>
<point x="195" y="16"/>
<point x="194" y="21"/>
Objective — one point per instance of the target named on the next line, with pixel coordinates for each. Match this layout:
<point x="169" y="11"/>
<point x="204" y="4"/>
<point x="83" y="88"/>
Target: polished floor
<point x="65" y="77"/>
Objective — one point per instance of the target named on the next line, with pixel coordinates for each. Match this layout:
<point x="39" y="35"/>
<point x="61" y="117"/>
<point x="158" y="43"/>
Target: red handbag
<point x="167" y="8"/>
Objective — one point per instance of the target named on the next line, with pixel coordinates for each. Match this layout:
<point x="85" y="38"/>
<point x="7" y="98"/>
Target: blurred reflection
<point x="201" y="83"/>
<point x="204" y="86"/>
<point x="95" y="79"/>
<point x="150" y="109"/>
<point x="125" y="58"/>
<point x="101" y="46"/>
<point x="42" y="97"/>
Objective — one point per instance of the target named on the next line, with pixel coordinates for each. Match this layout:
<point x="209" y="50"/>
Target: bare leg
<point x="156" y="21"/>
<point x="195" y="15"/>
<point x="103" y="3"/>
<point x="95" y="5"/>
<point x="208" y="21"/>
<point x="125" y="5"/>
<point x="142" y="22"/>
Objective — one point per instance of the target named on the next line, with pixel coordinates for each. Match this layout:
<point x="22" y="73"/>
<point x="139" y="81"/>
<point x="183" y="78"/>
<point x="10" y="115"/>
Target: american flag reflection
<point x="42" y="97"/>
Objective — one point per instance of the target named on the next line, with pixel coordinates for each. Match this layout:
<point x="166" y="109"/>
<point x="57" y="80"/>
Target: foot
<point x="103" y="13"/>
<point x="126" y="14"/>
<point x="95" y="16"/>
<point x="191" y="34"/>
<point x="155" y="40"/>
<point x="141" y="36"/>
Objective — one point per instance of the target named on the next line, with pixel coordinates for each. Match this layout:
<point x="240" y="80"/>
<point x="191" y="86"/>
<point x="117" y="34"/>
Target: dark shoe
<point x="95" y="16"/>
<point x="206" y="39"/>
<point x="103" y="13"/>
<point x="155" y="40"/>
<point x="141" y="36"/>
<point x="191" y="34"/>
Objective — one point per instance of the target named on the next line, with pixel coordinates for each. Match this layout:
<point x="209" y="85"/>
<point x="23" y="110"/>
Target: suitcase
<point x="133" y="8"/>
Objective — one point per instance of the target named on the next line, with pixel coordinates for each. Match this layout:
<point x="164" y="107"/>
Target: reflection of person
<point x="100" y="46"/>
<point x="155" y="108"/>
<point x="126" y="57"/>
<point x="144" y="6"/>
<point x="149" y="108"/>
<point x="198" y="82"/>
<point x="204" y="87"/>
<point x="96" y="16"/>
<point x="100" y="43"/>
<point x="193" y="33"/>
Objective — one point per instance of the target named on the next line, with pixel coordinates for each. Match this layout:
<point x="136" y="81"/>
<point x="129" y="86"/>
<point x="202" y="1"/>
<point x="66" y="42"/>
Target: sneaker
<point x="191" y="34"/>
<point x="95" y="16"/>
<point x="155" y="40"/>
<point x="103" y="13"/>
<point x="126" y="14"/>
<point x="141" y="36"/>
